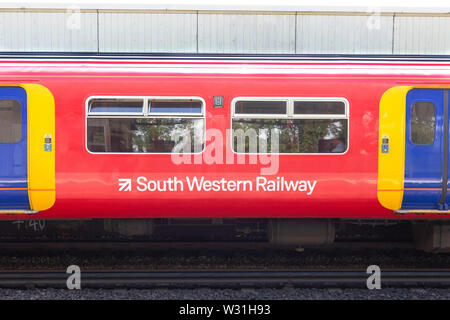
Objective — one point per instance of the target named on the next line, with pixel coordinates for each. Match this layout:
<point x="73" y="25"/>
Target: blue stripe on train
<point x="420" y="199"/>
<point x="14" y="199"/>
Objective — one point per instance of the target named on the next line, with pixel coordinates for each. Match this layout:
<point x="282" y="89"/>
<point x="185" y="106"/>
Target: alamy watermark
<point x="74" y="280"/>
<point x="73" y="18"/>
<point x="251" y="147"/>
<point x="374" y="20"/>
<point x="374" y="280"/>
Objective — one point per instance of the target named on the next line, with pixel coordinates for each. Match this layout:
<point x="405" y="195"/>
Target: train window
<point x="307" y="127"/>
<point x="10" y="121"/>
<point x="260" y="107"/>
<point x="423" y="122"/>
<point x="319" y="107"/>
<point x="116" y="106"/>
<point x="172" y="128"/>
<point x="181" y="106"/>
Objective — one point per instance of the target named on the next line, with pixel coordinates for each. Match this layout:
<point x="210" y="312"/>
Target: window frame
<point x="291" y="116"/>
<point x="103" y="113"/>
<point x="145" y="115"/>
<point x="183" y="114"/>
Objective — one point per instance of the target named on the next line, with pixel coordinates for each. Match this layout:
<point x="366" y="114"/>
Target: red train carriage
<point x="109" y="137"/>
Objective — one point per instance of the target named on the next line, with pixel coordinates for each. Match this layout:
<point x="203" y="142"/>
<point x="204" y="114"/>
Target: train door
<point x="426" y="150"/>
<point x="13" y="149"/>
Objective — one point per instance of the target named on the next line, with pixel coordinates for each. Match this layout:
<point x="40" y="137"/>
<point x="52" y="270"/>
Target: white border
<point x="394" y="6"/>
<point x="289" y="111"/>
<point x="145" y="115"/>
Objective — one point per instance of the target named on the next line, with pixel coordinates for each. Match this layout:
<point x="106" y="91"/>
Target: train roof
<point x="151" y="57"/>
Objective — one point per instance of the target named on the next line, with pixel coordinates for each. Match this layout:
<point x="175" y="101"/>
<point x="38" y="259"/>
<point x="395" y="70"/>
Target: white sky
<point x="307" y="5"/>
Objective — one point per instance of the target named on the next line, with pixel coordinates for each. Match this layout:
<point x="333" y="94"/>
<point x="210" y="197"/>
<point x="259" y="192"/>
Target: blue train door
<point x="13" y="149"/>
<point x="426" y="150"/>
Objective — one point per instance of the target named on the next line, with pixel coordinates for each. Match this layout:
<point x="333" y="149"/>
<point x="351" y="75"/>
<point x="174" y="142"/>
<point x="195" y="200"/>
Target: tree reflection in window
<point x="297" y="135"/>
<point x="423" y="122"/>
<point x="145" y="135"/>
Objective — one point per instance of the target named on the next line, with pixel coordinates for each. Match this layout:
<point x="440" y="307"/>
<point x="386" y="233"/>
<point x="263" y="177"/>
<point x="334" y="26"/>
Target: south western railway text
<point x="259" y="184"/>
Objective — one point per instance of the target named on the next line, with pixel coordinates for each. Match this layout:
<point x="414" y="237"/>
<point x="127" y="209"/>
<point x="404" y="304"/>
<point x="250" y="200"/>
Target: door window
<point x="423" y="122"/>
<point x="10" y="121"/>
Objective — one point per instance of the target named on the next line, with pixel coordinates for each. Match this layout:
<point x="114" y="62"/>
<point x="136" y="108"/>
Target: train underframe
<point x="426" y="235"/>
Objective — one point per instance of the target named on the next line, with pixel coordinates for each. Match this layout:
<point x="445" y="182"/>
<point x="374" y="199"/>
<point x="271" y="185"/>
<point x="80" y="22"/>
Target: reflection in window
<point x="306" y="126"/>
<point x="423" y="124"/>
<point x="116" y="105"/>
<point x="168" y="125"/>
<point x="145" y="135"/>
<point x="319" y="107"/>
<point x="297" y="135"/>
<point x="260" y="107"/>
<point x="10" y="121"/>
<point x="160" y="106"/>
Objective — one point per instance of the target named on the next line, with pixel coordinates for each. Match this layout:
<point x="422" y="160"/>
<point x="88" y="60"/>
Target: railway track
<point x="225" y="279"/>
<point x="127" y="245"/>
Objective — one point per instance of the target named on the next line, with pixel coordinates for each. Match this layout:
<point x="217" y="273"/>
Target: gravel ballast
<point x="243" y="294"/>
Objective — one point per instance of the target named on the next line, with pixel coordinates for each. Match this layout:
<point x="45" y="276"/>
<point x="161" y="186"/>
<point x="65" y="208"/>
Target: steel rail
<point x="6" y="246"/>
<point x="224" y="279"/>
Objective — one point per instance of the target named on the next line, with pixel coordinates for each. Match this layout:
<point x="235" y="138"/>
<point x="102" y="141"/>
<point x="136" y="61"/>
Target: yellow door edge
<point x="41" y="147"/>
<point x="391" y="147"/>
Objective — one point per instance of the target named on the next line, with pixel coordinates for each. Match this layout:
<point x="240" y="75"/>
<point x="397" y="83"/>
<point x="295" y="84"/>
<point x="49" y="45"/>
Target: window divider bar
<point x="290" y="108"/>
<point x="146" y="107"/>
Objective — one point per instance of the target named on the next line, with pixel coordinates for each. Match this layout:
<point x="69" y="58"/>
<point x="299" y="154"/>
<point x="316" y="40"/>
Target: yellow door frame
<point x="41" y="146"/>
